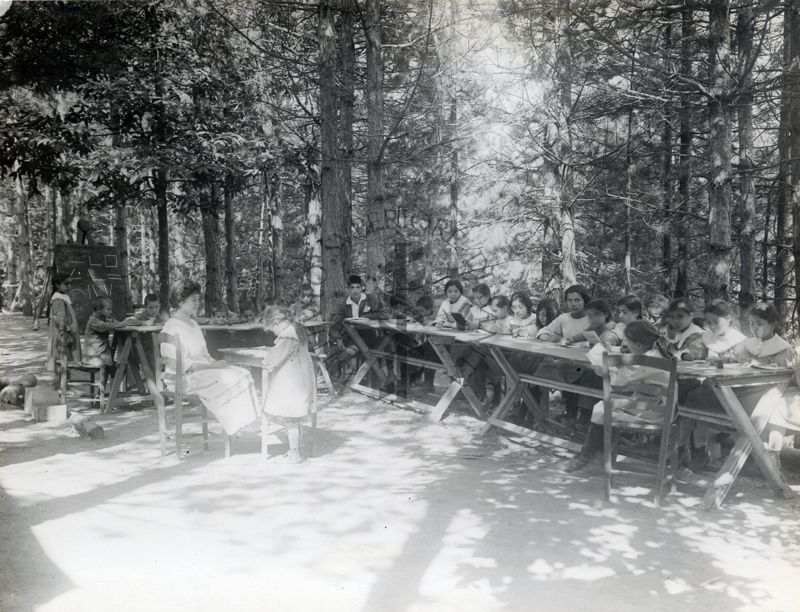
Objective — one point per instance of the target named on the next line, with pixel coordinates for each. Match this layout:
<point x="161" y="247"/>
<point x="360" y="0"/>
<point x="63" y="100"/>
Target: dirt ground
<point x="395" y="513"/>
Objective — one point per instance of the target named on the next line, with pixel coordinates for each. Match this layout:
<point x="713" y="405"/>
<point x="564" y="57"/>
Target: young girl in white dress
<point x="291" y="393"/>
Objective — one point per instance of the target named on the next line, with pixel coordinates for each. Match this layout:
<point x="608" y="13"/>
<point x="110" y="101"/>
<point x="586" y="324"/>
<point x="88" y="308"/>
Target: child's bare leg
<point x="293" y="433"/>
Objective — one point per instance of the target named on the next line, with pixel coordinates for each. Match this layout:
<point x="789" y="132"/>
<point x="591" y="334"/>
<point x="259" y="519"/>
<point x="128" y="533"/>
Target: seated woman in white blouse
<point x="227" y="391"/>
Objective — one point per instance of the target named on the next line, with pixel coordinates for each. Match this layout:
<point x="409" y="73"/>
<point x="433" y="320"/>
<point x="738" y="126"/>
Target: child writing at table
<point x="570" y="323"/>
<point x="481" y="309"/>
<point x="598" y="317"/>
<point x="684" y="339"/>
<point x="500" y="323"/>
<point x="645" y="403"/>
<point x="723" y="343"/>
<point x="629" y="308"/>
<point x="97" y="338"/>
<point x="454" y="302"/>
<point x="150" y="314"/>
<point x="292" y="388"/>
<point x="547" y="311"/>
<point x="523" y="322"/>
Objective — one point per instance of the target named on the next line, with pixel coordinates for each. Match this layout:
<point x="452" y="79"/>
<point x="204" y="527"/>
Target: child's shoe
<point x="289" y="457"/>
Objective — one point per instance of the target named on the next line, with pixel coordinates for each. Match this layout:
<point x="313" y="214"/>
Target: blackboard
<point x="95" y="271"/>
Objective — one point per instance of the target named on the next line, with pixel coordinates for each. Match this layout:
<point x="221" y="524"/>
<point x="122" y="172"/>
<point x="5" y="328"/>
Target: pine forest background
<point x="639" y="145"/>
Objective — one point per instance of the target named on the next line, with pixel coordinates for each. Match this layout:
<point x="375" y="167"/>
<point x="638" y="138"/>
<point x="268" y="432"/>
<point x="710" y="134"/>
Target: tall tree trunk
<point x="316" y="276"/>
<point x="160" y="188"/>
<point x="685" y="154"/>
<point x="452" y="237"/>
<point x="276" y="224"/>
<point x="214" y="281"/>
<point x="121" y="219"/>
<point x="265" y="289"/>
<point x="666" y="148"/>
<point x="324" y="232"/>
<point x="793" y="16"/>
<point x="629" y="172"/>
<point x="144" y="259"/>
<point x="23" y="244"/>
<point x="51" y="206"/>
<point x="720" y="143"/>
<point x="231" y="289"/>
<point x="376" y="205"/>
<point x="745" y="27"/>
<point x="65" y="216"/>
<point x="784" y="182"/>
<point x="347" y="83"/>
<point x="566" y="210"/>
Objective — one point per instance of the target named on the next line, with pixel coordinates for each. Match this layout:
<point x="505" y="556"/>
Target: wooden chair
<point x="96" y="380"/>
<point x="170" y="382"/>
<point x="667" y="428"/>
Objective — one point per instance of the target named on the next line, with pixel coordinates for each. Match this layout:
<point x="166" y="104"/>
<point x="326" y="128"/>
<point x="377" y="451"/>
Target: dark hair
<point x="354" y="279"/>
<point x="600" y="306"/>
<point x="680" y="305"/>
<point x="631" y="302"/>
<point x="454" y="282"/>
<point x="425" y="301"/>
<point x="150" y="298"/>
<point x="657" y="298"/>
<point x="482" y="289"/>
<point x="307" y="287"/>
<point x="721" y="308"/>
<point x="767" y="312"/>
<point x="580" y="290"/>
<point x="641" y="332"/>
<point x="59" y="278"/>
<point x="183" y="290"/>
<point x="522" y="296"/>
<point x="550" y="307"/>
<point x="502" y="301"/>
<point x="100" y="301"/>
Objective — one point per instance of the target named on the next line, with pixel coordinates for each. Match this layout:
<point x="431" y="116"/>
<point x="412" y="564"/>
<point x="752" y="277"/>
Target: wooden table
<point x="724" y="381"/>
<point x="441" y="341"/>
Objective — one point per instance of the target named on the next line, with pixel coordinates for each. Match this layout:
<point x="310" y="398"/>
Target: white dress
<point x="227" y="392"/>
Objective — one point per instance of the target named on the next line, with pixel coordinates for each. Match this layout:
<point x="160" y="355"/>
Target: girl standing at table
<point x="523" y="322"/>
<point x="291" y="394"/>
<point x="644" y="405"/>
<point x="684" y="339"/>
<point x="455" y="302"/>
<point x="63" y="336"/>
<point x="227" y="391"/>
<point x="570" y="323"/>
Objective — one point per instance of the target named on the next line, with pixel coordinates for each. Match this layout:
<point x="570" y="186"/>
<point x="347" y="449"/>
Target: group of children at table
<point x="64" y="337"/>
<point x="663" y="329"/>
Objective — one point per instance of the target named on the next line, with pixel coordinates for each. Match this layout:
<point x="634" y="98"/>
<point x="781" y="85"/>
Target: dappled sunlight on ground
<point x="394" y="514"/>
